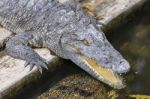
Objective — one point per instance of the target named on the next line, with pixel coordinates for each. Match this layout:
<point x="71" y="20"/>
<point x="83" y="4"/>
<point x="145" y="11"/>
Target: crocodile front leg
<point x="20" y="47"/>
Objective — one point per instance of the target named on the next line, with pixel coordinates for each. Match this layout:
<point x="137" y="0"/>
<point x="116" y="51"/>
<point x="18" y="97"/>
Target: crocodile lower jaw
<point x="103" y="74"/>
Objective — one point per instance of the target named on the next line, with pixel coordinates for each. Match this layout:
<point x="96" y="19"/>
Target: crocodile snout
<point x="122" y="67"/>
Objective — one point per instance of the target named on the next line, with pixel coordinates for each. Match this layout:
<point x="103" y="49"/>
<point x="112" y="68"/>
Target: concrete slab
<point x="112" y="13"/>
<point x="4" y="35"/>
<point x="12" y="72"/>
<point x="107" y="10"/>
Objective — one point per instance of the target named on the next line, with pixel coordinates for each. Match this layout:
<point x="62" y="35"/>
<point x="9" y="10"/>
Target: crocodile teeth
<point x="105" y="75"/>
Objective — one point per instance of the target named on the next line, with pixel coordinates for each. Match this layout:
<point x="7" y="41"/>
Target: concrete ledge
<point x="126" y="16"/>
<point x="4" y="36"/>
<point x="13" y="76"/>
<point x="107" y="10"/>
<point x="111" y="13"/>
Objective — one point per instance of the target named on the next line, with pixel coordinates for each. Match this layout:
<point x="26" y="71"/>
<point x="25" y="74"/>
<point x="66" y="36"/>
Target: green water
<point x="133" y="41"/>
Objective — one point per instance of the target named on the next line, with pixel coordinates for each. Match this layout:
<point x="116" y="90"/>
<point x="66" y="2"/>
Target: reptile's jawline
<point x="104" y="74"/>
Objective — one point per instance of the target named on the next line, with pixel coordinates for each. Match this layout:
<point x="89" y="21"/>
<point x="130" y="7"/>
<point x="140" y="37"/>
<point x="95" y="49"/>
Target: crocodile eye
<point x="86" y="42"/>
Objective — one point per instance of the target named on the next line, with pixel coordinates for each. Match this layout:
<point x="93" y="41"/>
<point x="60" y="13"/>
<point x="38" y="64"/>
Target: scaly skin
<point x="63" y="27"/>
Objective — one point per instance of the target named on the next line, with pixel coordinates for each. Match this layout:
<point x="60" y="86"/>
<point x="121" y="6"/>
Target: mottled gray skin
<point x="63" y="27"/>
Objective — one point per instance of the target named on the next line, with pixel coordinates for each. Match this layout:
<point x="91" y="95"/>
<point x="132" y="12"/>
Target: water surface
<point x="133" y="41"/>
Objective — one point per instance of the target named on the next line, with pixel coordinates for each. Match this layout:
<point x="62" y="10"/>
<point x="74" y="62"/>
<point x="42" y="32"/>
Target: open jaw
<point x="90" y="50"/>
<point x="106" y="75"/>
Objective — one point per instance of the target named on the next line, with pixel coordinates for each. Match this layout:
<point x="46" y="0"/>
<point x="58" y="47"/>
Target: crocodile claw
<point x="40" y="63"/>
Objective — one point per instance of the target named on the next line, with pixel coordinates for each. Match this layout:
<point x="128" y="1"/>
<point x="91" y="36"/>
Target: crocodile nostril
<point x="121" y="62"/>
<point x="122" y="67"/>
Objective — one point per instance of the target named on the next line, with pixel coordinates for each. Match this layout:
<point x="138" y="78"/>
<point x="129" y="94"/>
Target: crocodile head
<point x="90" y="50"/>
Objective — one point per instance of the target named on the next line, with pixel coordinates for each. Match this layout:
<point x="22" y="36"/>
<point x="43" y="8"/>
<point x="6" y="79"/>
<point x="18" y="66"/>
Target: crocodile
<point x="67" y="30"/>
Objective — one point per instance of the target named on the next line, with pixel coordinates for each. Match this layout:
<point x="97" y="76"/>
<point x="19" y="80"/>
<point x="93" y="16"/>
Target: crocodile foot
<point x="39" y="62"/>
